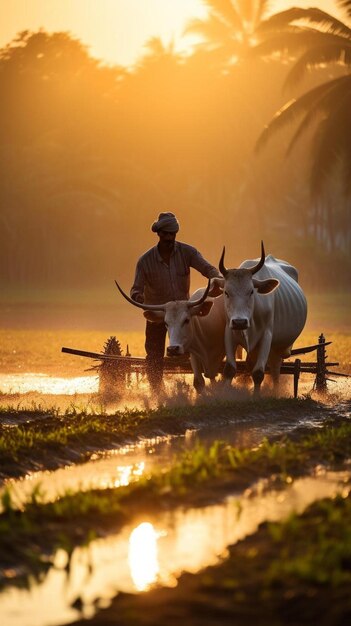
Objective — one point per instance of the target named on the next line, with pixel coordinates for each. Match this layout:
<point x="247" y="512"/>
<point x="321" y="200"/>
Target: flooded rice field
<point x="42" y="395"/>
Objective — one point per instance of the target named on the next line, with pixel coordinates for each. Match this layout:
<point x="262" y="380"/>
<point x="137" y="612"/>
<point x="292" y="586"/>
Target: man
<point x="163" y="274"/>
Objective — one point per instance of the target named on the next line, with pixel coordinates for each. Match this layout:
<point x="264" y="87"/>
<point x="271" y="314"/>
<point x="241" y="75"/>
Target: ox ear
<point x="154" y="316"/>
<point x="203" y="309"/>
<point x="265" y="286"/>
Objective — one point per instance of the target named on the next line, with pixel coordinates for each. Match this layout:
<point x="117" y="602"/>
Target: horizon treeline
<point x="90" y="154"/>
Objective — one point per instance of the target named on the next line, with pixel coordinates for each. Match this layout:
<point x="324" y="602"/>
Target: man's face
<point x="167" y="239"/>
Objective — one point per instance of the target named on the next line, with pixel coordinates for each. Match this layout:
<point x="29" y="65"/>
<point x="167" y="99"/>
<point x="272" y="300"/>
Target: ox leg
<point x="229" y="370"/>
<point x="199" y="381"/>
<point x="261" y="361"/>
<point x="257" y="377"/>
<point x="275" y="362"/>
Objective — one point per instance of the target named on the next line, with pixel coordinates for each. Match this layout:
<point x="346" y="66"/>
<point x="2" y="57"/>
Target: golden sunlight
<point x="117" y="30"/>
<point x="114" y="30"/>
<point x="43" y="383"/>
<point x="143" y="556"/>
<point x="126" y="474"/>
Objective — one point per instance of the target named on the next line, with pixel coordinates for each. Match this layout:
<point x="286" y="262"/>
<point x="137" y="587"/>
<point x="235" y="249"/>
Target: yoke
<point x="115" y="369"/>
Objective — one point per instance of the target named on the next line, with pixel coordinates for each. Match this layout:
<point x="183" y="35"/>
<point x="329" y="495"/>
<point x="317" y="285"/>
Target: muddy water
<point x="128" y="463"/>
<point x="113" y="469"/>
<point x="25" y="389"/>
<point x="155" y="550"/>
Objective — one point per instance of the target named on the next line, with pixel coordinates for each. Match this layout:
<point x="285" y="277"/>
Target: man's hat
<point x="167" y="222"/>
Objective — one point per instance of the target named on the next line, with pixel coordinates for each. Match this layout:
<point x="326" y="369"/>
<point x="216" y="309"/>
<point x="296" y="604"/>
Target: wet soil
<point x="85" y="435"/>
<point x="107" y="510"/>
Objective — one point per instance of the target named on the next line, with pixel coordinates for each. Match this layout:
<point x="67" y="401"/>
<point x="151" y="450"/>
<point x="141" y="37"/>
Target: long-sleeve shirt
<point x="157" y="283"/>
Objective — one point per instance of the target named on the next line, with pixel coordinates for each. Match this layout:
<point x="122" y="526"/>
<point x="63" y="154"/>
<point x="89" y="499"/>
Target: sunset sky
<point x="115" y="30"/>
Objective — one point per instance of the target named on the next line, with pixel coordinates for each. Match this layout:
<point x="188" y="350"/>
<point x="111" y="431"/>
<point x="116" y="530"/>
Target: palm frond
<point x="295" y="40"/>
<point x="345" y="4"/>
<point x="217" y="56"/>
<point x="212" y="29"/>
<point x="315" y="57"/>
<point x="291" y="111"/>
<point x="262" y="8"/>
<point x="312" y="17"/>
<point x="245" y="8"/>
<point x="325" y="104"/>
<point x="332" y="145"/>
<point x="224" y="9"/>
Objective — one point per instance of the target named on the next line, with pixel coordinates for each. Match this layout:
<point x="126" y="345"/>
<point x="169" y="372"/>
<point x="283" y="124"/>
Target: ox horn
<point x="222" y="267"/>
<point x="145" y="307"/>
<point x="258" y="266"/>
<point x="192" y="303"/>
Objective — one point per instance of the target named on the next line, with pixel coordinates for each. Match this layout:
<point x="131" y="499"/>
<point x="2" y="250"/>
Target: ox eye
<point x="226" y="293"/>
<point x="251" y="294"/>
<point x="186" y="321"/>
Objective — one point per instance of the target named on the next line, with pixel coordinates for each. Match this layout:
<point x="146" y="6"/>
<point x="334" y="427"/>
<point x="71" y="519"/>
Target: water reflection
<point x="143" y="556"/>
<point x="43" y="383"/>
<point x="128" y="474"/>
<point x="158" y="550"/>
<point x="113" y="469"/>
<point x="49" y="486"/>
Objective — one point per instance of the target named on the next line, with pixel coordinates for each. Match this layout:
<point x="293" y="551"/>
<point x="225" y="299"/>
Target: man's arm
<point x="137" y="290"/>
<point x="208" y="270"/>
<point x="205" y="268"/>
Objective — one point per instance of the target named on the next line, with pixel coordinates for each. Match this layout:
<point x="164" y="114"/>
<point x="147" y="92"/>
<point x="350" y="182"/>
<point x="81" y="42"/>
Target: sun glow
<point x="114" y="30"/>
<point x="143" y="556"/>
<point x="43" y="383"/>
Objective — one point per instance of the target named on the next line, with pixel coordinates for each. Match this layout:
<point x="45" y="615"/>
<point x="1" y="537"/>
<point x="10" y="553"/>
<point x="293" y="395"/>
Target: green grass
<point x="77" y="428"/>
<point x="326" y="557"/>
<point x="218" y="469"/>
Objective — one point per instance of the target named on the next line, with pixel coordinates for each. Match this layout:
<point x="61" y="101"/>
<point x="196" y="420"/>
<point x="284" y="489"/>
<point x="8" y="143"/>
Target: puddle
<point x="43" y="383"/>
<point x="114" y="469"/>
<point x="128" y="463"/>
<point x="155" y="550"/>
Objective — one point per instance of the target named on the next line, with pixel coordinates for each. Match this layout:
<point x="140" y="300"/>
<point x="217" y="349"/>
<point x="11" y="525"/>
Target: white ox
<point x="264" y="315"/>
<point x="194" y="326"/>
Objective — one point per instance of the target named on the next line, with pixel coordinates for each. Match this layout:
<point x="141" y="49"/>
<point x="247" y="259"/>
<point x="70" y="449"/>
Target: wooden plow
<point x="115" y="369"/>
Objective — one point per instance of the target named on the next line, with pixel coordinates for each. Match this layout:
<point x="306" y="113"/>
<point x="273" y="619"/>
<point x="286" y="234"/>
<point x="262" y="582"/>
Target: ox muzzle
<point x="174" y="350"/>
<point x="239" y="323"/>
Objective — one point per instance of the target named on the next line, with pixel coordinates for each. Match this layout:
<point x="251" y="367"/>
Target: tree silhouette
<point x="320" y="40"/>
<point x="230" y="28"/>
<point x="90" y="154"/>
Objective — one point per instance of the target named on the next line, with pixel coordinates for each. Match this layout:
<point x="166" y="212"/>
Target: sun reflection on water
<point x="143" y="556"/>
<point x="128" y="473"/>
<point x="43" y="383"/>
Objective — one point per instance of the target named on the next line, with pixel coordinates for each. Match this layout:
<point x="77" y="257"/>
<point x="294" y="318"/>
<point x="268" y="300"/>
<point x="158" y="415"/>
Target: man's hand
<point x="216" y="288"/>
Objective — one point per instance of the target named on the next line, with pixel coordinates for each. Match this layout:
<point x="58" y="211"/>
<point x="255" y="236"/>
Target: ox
<point x="194" y="326"/>
<point x="264" y="315"/>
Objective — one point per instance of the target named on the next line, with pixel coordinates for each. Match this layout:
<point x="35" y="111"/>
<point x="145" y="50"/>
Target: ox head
<point x="239" y="287"/>
<point x="177" y="316"/>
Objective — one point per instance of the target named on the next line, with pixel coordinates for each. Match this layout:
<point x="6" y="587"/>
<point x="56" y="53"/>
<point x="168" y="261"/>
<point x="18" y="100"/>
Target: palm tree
<point x="320" y="39"/>
<point x="230" y="28"/>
